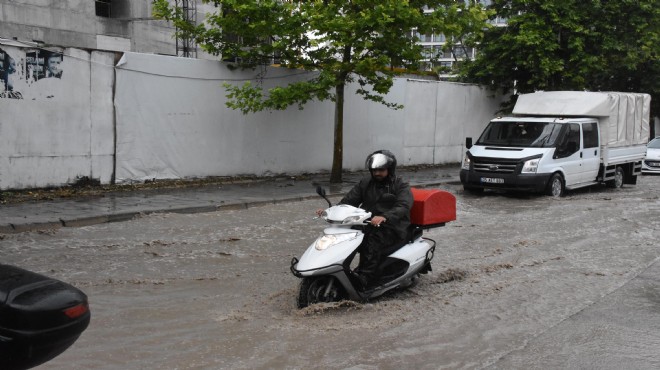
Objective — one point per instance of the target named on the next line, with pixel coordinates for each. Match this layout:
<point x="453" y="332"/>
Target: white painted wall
<point x="56" y="130"/>
<point x="165" y="118"/>
<point x="172" y="122"/>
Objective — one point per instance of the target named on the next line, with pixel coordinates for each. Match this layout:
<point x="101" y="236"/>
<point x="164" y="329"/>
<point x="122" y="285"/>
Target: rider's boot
<point x="367" y="274"/>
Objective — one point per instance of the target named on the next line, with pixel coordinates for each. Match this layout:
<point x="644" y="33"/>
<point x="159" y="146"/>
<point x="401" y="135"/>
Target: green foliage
<point x="343" y="41"/>
<point x="596" y="45"/>
<point x="340" y="41"/>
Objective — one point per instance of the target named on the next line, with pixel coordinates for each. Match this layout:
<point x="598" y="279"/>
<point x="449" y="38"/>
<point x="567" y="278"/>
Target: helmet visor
<point x="377" y="161"/>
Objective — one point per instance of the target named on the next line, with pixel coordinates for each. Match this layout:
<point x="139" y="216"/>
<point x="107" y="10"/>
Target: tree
<point x="343" y="41"/>
<point x="596" y="45"/>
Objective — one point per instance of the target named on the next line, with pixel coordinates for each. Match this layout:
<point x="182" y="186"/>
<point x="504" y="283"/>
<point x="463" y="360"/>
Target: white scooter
<point x="325" y="267"/>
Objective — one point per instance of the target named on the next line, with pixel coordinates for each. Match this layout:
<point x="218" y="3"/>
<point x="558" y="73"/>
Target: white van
<point x="561" y="140"/>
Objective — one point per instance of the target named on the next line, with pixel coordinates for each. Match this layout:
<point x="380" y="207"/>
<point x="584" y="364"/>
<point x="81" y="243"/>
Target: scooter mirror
<point x="320" y="191"/>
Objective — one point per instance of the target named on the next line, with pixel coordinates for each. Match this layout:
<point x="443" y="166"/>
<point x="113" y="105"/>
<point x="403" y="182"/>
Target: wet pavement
<point x="44" y="215"/>
<point x="539" y="295"/>
<point x="620" y="331"/>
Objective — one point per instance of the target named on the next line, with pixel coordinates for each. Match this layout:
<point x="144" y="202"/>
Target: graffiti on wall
<point x="20" y="69"/>
<point x="43" y="64"/>
<point x="7" y="75"/>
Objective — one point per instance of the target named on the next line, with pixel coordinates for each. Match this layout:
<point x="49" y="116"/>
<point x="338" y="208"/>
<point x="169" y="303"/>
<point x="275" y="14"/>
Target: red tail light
<point x="76" y="311"/>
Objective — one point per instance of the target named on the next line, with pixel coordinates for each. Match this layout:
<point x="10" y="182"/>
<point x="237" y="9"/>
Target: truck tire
<point x="555" y="186"/>
<point x="619" y="176"/>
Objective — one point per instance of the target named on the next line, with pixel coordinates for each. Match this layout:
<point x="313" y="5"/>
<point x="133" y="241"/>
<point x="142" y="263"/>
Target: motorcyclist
<point x="389" y="199"/>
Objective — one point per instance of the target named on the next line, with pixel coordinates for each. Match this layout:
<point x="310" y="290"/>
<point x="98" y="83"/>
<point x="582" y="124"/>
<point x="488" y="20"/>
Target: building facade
<point x="441" y="54"/>
<point x="105" y="25"/>
<point x="128" y="25"/>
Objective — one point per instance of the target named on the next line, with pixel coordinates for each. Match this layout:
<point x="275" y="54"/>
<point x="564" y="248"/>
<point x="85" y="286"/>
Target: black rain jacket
<point x="391" y="199"/>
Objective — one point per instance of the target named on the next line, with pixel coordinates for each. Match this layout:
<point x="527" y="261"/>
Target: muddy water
<point x="213" y="290"/>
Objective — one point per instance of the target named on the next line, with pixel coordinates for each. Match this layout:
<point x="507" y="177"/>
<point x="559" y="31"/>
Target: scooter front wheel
<point x="319" y="289"/>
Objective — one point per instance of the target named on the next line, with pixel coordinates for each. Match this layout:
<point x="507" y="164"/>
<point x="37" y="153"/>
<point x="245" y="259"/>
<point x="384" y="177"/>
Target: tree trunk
<point x="338" y="153"/>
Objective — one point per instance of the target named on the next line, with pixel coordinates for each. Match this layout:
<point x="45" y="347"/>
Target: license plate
<point x="492" y="180"/>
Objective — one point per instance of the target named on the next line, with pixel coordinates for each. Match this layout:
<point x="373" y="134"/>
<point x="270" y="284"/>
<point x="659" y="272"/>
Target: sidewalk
<point x="111" y="207"/>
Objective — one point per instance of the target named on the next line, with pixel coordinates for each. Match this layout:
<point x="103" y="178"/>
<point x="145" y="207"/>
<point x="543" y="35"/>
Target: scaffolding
<point x="186" y="46"/>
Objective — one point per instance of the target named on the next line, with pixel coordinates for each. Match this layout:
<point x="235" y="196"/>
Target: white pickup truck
<point x="561" y="140"/>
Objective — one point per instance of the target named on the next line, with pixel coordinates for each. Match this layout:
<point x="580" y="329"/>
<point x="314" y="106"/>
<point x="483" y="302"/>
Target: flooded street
<point x="214" y="290"/>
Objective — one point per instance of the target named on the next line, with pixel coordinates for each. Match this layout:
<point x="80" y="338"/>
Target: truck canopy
<point x="623" y="117"/>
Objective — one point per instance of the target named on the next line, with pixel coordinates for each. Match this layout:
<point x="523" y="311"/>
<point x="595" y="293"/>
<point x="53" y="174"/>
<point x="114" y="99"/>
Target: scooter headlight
<point x="326" y="241"/>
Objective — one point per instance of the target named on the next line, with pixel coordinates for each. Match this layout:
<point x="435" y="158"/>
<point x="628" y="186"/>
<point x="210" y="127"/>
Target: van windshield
<point x="520" y="134"/>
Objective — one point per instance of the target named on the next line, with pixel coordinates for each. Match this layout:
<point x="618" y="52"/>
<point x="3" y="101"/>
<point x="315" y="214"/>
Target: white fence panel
<point x="158" y="117"/>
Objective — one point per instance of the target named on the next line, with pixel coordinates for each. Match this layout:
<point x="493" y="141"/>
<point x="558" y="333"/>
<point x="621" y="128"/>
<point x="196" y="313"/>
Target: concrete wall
<point x="172" y="122"/>
<point x="73" y="23"/>
<point x="56" y="128"/>
<point x="165" y="117"/>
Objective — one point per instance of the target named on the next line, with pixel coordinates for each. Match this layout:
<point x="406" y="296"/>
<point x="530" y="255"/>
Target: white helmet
<point x="381" y="159"/>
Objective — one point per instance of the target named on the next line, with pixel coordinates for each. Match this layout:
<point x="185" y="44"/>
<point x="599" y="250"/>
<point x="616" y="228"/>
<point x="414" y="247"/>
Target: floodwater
<point x="214" y="291"/>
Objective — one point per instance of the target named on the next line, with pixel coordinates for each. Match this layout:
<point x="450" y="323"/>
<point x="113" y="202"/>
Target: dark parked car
<point x="40" y="317"/>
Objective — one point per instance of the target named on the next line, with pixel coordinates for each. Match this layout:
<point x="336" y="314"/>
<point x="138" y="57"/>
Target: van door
<point x="567" y="153"/>
<point x="590" y="152"/>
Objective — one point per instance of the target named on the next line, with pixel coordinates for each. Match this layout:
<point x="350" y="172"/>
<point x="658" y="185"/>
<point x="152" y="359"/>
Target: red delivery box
<point x="432" y="207"/>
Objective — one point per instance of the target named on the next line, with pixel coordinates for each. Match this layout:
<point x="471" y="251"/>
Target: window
<point x="424" y="38"/>
<point x="590" y="133"/>
<point x="570" y="141"/>
<point x="574" y="135"/>
<point x="102" y="8"/>
<point x="527" y="134"/>
<point x="459" y="51"/>
<point x="427" y="51"/>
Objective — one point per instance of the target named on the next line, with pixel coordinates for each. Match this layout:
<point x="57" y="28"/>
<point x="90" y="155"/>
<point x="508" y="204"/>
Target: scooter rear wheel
<point x="319" y="289"/>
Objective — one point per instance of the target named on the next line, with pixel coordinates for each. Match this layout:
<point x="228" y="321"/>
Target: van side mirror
<point x="468" y="142"/>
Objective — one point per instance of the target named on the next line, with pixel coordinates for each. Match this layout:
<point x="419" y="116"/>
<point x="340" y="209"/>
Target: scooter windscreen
<point x="330" y="249"/>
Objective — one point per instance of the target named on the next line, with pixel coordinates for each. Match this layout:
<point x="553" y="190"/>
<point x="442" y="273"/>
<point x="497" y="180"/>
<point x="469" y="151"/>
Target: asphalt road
<point x="519" y="281"/>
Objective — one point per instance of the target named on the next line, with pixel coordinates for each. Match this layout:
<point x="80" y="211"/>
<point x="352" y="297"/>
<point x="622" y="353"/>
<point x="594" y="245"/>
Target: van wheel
<point x="555" y="186"/>
<point x="618" y="178"/>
